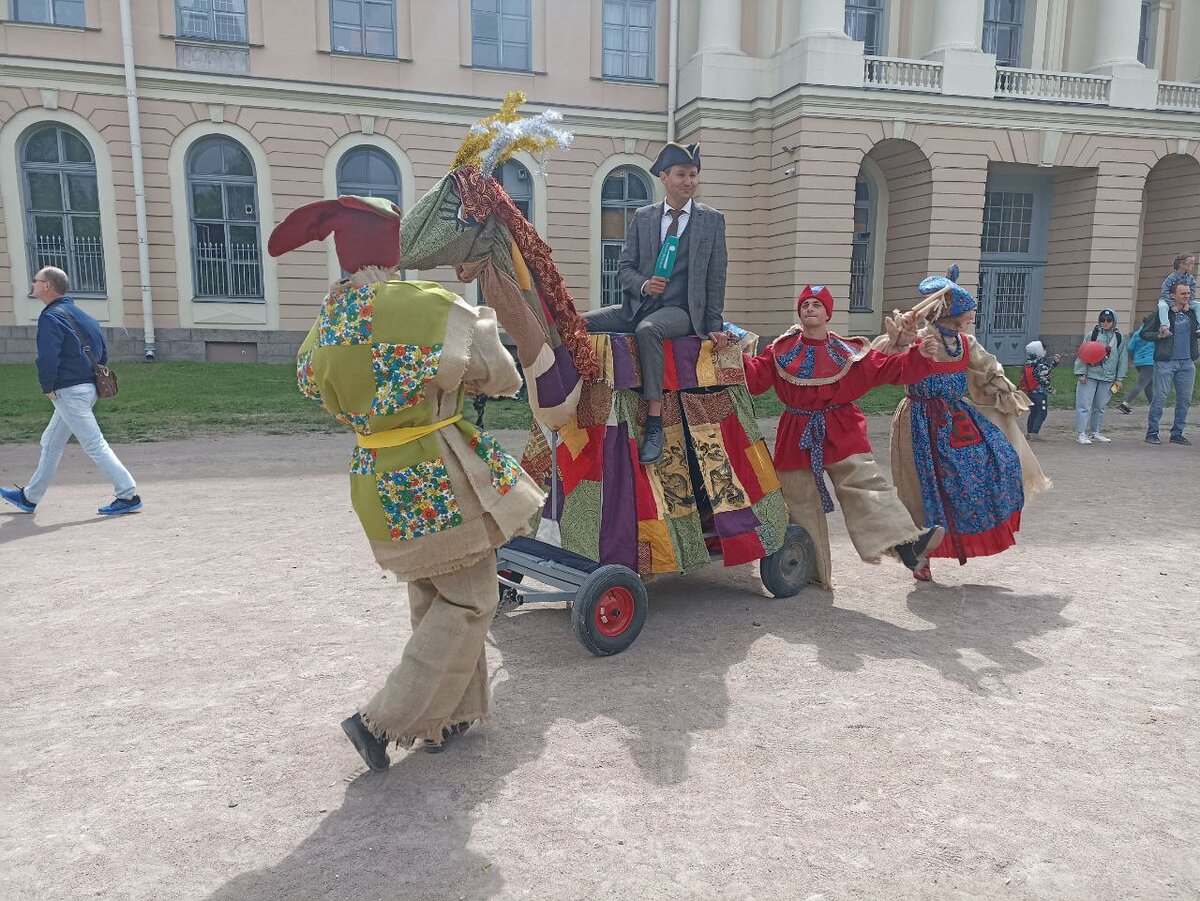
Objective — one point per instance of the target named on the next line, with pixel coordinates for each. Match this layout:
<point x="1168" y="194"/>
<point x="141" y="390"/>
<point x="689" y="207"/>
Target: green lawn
<point x="178" y="400"/>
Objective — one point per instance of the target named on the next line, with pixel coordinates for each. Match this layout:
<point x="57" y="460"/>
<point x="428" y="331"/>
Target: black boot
<point x="372" y="750"/>
<point x="652" y="441"/>
<point x="912" y="552"/>
<point x="437" y="747"/>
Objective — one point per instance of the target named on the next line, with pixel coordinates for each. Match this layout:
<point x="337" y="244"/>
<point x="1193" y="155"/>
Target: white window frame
<point x="209" y="11"/>
<point x="499" y="41"/>
<point x="624" y="50"/>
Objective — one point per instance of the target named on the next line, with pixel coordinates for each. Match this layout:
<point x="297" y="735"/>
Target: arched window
<point x="369" y="172"/>
<point x="515" y="179"/>
<point x="223" y="201"/>
<point x="623" y="192"/>
<point x="62" y="206"/>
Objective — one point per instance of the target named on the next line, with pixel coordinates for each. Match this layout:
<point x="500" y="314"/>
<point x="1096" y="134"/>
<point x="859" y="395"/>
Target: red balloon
<point x="1092" y="352"/>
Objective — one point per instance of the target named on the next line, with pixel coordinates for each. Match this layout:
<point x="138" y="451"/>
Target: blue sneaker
<point x="121" y="505"/>
<point x="16" y="497"/>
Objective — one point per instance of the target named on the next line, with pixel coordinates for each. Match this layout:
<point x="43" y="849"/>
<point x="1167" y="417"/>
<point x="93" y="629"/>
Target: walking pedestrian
<point x="65" y="336"/>
<point x="1141" y="352"/>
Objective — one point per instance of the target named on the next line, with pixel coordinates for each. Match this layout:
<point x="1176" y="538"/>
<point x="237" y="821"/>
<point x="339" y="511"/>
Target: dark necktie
<point x="673" y="228"/>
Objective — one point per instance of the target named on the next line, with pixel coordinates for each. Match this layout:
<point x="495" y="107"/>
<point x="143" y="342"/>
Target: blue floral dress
<point x="969" y="473"/>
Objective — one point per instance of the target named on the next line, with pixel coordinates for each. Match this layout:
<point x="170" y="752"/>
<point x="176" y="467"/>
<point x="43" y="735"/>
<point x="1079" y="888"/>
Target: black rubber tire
<point x="590" y="596"/>
<point x="786" y="572"/>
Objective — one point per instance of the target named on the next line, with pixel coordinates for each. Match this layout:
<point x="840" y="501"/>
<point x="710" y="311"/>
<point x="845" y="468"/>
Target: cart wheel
<point x="508" y="595"/>
<point x="785" y="572"/>
<point x="609" y="610"/>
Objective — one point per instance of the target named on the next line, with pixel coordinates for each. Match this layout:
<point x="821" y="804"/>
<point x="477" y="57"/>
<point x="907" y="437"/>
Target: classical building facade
<point x="1051" y="148"/>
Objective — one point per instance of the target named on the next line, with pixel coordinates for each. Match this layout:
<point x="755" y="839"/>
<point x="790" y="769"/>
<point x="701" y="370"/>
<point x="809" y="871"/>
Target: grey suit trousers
<point x="651" y="330"/>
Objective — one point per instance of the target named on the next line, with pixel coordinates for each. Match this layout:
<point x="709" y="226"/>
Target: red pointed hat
<point x="821" y="293"/>
<point x="366" y="231"/>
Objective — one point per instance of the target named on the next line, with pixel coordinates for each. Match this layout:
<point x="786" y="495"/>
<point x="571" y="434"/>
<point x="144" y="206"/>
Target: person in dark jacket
<point x="1175" y="365"/>
<point x="68" y="379"/>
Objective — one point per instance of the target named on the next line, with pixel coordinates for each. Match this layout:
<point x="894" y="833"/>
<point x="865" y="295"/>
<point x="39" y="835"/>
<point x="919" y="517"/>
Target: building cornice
<point x="932" y="109"/>
<point x="458" y="110"/>
<point x="203" y="87"/>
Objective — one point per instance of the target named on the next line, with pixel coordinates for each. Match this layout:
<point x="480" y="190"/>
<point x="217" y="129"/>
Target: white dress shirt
<point x="666" y="220"/>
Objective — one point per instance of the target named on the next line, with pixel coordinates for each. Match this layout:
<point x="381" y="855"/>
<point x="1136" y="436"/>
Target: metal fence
<point x="610" y="285"/>
<point x="82" y="259"/>
<point x="1005" y="295"/>
<point x="228" y="270"/>
<point x="860" y="278"/>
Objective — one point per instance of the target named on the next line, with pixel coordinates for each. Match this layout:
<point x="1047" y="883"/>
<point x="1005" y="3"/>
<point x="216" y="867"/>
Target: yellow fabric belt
<point x="401" y="436"/>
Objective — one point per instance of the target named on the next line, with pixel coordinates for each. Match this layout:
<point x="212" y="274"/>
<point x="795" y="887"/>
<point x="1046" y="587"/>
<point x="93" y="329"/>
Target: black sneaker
<point x="910" y="553"/>
<point x="1179" y="439"/>
<point x="1153" y="439"/>
<point x="1124" y="407"/>
<point x="372" y="750"/>
<point x="437" y="747"/>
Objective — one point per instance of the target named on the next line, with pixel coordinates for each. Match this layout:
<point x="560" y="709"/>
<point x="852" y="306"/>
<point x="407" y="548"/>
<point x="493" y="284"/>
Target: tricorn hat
<point x="366" y="231"/>
<point x="674" y="154"/>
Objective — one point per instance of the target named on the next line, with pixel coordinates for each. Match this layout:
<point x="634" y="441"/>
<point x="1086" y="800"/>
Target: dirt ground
<point x="172" y="683"/>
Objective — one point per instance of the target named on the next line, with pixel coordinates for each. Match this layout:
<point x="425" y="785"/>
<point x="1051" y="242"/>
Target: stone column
<point x="957" y="24"/>
<point x="1114" y="54"/>
<point x="1117" y="26"/>
<point x="957" y="32"/>
<point x="720" y="26"/>
<point x="820" y="51"/>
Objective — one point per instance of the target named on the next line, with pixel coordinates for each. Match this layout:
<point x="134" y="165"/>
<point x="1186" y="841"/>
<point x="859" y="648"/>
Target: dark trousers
<point x="650" y="330"/>
<point x="1037" y="413"/>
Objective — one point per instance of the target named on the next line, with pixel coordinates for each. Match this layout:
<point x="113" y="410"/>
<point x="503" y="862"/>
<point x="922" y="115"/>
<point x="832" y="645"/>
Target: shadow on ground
<point x="406" y="833"/>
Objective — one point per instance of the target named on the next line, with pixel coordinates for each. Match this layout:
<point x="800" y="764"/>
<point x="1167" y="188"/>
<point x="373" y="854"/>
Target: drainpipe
<point x="673" y="71"/>
<point x="139" y="180"/>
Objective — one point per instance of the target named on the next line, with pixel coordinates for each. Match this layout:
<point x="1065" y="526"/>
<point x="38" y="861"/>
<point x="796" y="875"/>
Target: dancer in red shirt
<point x="818" y="375"/>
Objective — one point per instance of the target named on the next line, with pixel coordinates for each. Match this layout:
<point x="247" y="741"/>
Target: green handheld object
<point x="665" y="264"/>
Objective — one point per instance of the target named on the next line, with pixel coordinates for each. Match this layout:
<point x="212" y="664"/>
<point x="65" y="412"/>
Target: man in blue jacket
<point x="68" y="379"/>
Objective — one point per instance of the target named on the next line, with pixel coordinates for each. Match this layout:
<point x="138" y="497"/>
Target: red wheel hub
<point x="613" y="613"/>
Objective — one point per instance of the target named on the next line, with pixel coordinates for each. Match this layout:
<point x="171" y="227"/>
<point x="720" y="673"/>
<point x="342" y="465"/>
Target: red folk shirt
<point x="843" y="382"/>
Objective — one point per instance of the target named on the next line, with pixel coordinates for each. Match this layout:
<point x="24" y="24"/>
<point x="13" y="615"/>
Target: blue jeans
<point x="1037" y="413"/>
<point x="1182" y="375"/>
<point x="1090" y="400"/>
<point x="73" y="416"/>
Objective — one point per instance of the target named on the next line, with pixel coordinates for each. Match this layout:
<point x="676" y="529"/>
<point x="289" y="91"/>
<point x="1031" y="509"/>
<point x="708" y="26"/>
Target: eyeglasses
<point x="41" y="279"/>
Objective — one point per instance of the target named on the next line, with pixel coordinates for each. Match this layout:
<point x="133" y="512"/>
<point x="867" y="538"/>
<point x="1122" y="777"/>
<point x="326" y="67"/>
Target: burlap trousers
<point x="875" y="518"/>
<point x="442" y="677"/>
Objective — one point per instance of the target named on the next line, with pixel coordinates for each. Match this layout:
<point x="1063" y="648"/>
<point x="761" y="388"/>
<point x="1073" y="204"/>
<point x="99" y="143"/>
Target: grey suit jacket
<point x="707" y="262"/>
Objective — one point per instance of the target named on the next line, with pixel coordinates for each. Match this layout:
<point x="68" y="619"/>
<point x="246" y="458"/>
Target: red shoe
<point x="922" y="573"/>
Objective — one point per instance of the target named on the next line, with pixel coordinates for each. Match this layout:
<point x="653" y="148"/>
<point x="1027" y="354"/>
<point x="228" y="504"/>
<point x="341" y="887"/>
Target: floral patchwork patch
<point x="506" y="472"/>
<point x="401" y="371"/>
<point x="346" y="316"/>
<point x="419" y="500"/>
<point x="357" y="421"/>
<point x="305" y="379"/>
<point x="362" y="461"/>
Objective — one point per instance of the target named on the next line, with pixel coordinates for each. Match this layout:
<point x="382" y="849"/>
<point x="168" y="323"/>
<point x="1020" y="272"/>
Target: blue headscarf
<point x="960" y="299"/>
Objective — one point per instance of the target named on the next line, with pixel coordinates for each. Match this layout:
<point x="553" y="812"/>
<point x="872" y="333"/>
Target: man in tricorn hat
<point x="690" y="301"/>
<point x="392" y="359"/>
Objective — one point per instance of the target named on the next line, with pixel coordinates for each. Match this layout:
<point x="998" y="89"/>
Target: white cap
<point x="1035" y="348"/>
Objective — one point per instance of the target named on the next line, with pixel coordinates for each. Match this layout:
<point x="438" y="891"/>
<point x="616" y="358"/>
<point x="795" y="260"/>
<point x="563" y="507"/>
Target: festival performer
<point x="392" y="359"/>
<point x="685" y="298"/>
<point x="818" y="375"/>
<point x="963" y="466"/>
